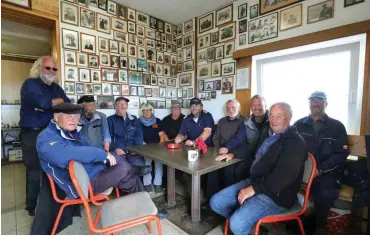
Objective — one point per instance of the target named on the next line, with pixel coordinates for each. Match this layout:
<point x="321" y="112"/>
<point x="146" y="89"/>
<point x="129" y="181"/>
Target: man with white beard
<point x="39" y="94"/>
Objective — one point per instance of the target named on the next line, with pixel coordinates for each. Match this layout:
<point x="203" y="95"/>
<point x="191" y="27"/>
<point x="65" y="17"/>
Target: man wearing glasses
<point x="39" y="94"/>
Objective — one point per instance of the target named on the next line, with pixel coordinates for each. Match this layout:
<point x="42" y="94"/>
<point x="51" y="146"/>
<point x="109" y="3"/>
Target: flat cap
<point x="86" y="98"/>
<point x="195" y="101"/>
<point x="67" y="108"/>
<point x="121" y="99"/>
<point x="318" y="94"/>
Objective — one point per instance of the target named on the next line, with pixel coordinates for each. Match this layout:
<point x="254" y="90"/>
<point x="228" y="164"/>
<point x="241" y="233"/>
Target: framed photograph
<point x="171" y="92"/>
<point x="132" y="51"/>
<point x="69" y="13"/>
<point x="226" y="32"/>
<point x="93" y="61"/>
<point x="263" y="28"/>
<point x="109" y="75"/>
<point x="151" y="68"/>
<point x="134" y="103"/>
<point x="204" y="71"/>
<point x="82" y="2"/>
<point x="213" y="94"/>
<point x="102" y="4"/>
<point x="150" y="33"/>
<point x="122" y="49"/>
<point x="188" y="39"/>
<point x="70" y="39"/>
<point x="179" y="92"/>
<point x="116" y="89"/>
<point x="321" y="11"/>
<point x="93" y="3"/>
<point x="84" y="75"/>
<point x="131" y="14"/>
<point x="217" y="84"/>
<point x="179" y="43"/>
<point x="224" y="15"/>
<point x="268" y="6"/>
<point x="87" y="18"/>
<point x="188" y="26"/>
<point x="133" y="91"/>
<point x="23" y="3"/>
<point x="253" y="11"/>
<point x="227" y="85"/>
<point x="122" y="76"/>
<point x="142" y="65"/>
<point x="73" y="99"/>
<point x="95" y="76"/>
<point x="112" y="8"/>
<point x="242" y="39"/>
<point x="162" y="81"/>
<point x="214" y="38"/>
<point x="291" y="17"/>
<point x="168" y="103"/>
<point x="113" y="46"/>
<point x="159" y="69"/>
<point x="179" y="68"/>
<point x="131" y="27"/>
<point x="135" y="77"/>
<point x="153" y="80"/>
<point x="105" y="102"/>
<point x="104" y="59"/>
<point x="125" y="90"/>
<point x="190" y="92"/>
<point x="70" y="58"/>
<point x="164" y="38"/>
<point x="88" y="43"/>
<point x="132" y="39"/>
<point x="185" y="80"/>
<point x="202" y="55"/>
<point x="189" y="53"/>
<point x="229" y="49"/>
<point x="243" y="26"/>
<point x="143" y="100"/>
<point x="166" y="70"/>
<point x="140" y="91"/>
<point x="205" y="23"/>
<point x="80" y="88"/>
<point x="162" y="92"/>
<point x="69" y="87"/>
<point x="121" y="12"/>
<point x="141" y="52"/>
<point x="140" y="30"/>
<point x="82" y="59"/>
<point x="211" y="54"/>
<point x="153" y="22"/>
<point x="97" y="90"/>
<point x="148" y="92"/>
<point x="119" y="25"/>
<point x="142" y="18"/>
<point x="160" y="25"/>
<point x="200" y="86"/>
<point x="228" y="69"/>
<point x="88" y="88"/>
<point x="173" y="60"/>
<point x="180" y="29"/>
<point x="204" y="41"/>
<point x="167" y="28"/>
<point x="208" y="85"/>
<point x="103" y="23"/>
<point x="123" y="62"/>
<point x="219" y="54"/>
<point x="161" y="105"/>
<point x="242" y="11"/>
<point x="132" y="63"/>
<point x="188" y="65"/>
<point x="120" y="36"/>
<point x="114" y="61"/>
<point x="103" y="44"/>
<point x="348" y="3"/>
<point x="153" y="103"/>
<point x="180" y="56"/>
<point x="160" y="58"/>
<point x="216" y="69"/>
<point x="174" y="30"/>
<point x="173" y="72"/>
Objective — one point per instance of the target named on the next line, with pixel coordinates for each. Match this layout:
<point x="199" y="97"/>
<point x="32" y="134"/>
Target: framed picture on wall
<point x="219" y="54"/>
<point x="269" y="6"/>
<point x="103" y="23"/>
<point x="102" y="4"/>
<point x="109" y="75"/>
<point x="69" y="13"/>
<point x="114" y="61"/>
<point x="116" y="89"/>
<point x="69" y="87"/>
<point x="88" y="88"/>
<point x="113" y="46"/>
<point x="242" y="11"/>
<point x="263" y="28"/>
<point x="243" y="26"/>
<point x="188" y="65"/>
<point x="348" y="3"/>
<point x="123" y="62"/>
<point x="180" y="29"/>
<point x="205" y="23"/>
<point x="71" y="73"/>
<point x="87" y="18"/>
<point x="185" y="80"/>
<point x="131" y="14"/>
<point x="224" y="15"/>
<point x="80" y="88"/>
<point x="228" y="69"/>
<point x="105" y="102"/>
<point x="204" y="71"/>
<point x="321" y="11"/>
<point x="214" y="38"/>
<point x="104" y="59"/>
<point x="152" y="22"/>
<point x="229" y="48"/>
<point x="93" y="3"/>
<point x="208" y="85"/>
<point x="253" y="11"/>
<point x="103" y="44"/>
<point x="97" y="89"/>
<point x="142" y="18"/>
<point x="227" y="85"/>
<point x="82" y="59"/>
<point x="95" y="76"/>
<point x="125" y="89"/>
<point x="88" y="43"/>
<point x="70" y="58"/>
<point x="188" y="40"/>
<point x="167" y="28"/>
<point x="84" y="75"/>
<point x="216" y="69"/>
<point x="119" y="25"/>
<point x="226" y="32"/>
<point x="121" y="12"/>
<point x="106" y="89"/>
<point x="160" y="26"/>
<point x="188" y="26"/>
<point x="93" y="61"/>
<point x="23" y="3"/>
<point x="112" y="7"/>
<point x="204" y="41"/>
<point x="70" y="39"/>
<point x="291" y="17"/>
<point x="82" y="2"/>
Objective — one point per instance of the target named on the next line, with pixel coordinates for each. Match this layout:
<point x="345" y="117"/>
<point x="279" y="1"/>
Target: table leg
<point x="195" y="198"/>
<point x="171" y="192"/>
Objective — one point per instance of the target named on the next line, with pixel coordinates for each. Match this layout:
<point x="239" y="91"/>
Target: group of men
<point x="53" y="132"/>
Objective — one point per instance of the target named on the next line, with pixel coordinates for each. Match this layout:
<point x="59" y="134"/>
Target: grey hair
<point x="146" y="106"/>
<point x="286" y="106"/>
<point x="263" y="100"/>
<point x="36" y="67"/>
<point x="237" y="103"/>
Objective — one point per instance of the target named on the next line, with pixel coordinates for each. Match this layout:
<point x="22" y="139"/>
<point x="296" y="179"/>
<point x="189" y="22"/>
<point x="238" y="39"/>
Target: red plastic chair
<point x="297" y="210"/>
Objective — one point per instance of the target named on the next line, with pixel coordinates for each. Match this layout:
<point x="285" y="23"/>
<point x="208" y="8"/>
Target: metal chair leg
<point x="149" y="226"/>
<point x="301" y="225"/>
<point x="56" y="223"/>
<point x="226" y="229"/>
<point x="159" y="227"/>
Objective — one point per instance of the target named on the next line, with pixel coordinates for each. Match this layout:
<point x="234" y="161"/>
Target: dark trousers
<point x="32" y="162"/>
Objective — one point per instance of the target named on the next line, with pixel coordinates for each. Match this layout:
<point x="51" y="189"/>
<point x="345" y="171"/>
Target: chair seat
<point x="293" y="210"/>
<point x="107" y="192"/>
<point x="127" y="208"/>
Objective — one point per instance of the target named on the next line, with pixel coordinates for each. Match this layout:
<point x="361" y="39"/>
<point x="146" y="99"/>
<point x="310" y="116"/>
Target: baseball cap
<point x="195" y="101"/>
<point x="318" y="94"/>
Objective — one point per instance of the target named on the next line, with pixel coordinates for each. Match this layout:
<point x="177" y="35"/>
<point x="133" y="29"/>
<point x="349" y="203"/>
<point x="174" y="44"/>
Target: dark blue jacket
<point x="36" y="94"/>
<point x="331" y="146"/>
<point x="151" y="133"/>
<point x="125" y="132"/>
<point x="56" y="150"/>
<point x="192" y="130"/>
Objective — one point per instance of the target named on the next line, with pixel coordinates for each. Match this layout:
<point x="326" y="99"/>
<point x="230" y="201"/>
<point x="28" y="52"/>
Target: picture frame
<point x="153" y="22"/>
<point x="24" y="4"/>
<point x="179" y="92"/>
<point x="153" y="103"/>
<point x="93" y="61"/>
<point x="82" y="59"/>
<point x="229" y="48"/>
<point x="188" y="26"/>
<point x="179" y="67"/>
<point x="140" y="91"/>
<point x="133" y="91"/>
<point x="202" y="55"/>
<point x="164" y="38"/>
<point x="122" y="48"/>
<point x="171" y="92"/>
<point x="131" y="27"/>
<point x="219" y="54"/>
<point x="140" y="30"/>
<point x="204" y="71"/>
<point x="320" y="11"/>
<point x="134" y="103"/>
<point x="122" y="76"/>
<point x="228" y="69"/>
<point x="188" y="66"/>
<point x="150" y="33"/>
<point x="70" y="39"/>
<point x="73" y="99"/>
<point x="131" y="14"/>
<point x="253" y="11"/>
<point x="82" y="2"/>
<point x="159" y="69"/>
<point x="70" y="58"/>
<point x="113" y="46"/>
<point x="208" y="85"/>
<point x="80" y="88"/>
<point x="103" y="44"/>
<point x="103" y="23"/>
<point x="105" y="102"/>
<point x="166" y="70"/>
<point x="162" y="92"/>
<point x="185" y="80"/>
<point x="160" y="25"/>
<point x="116" y="89"/>
<point x="84" y="75"/>
<point x="227" y="85"/>
<point x="161" y="105"/>
<point x="265" y="6"/>
<point x="125" y="90"/>
<point x="135" y="77"/>
<point x="173" y="60"/>
<point x="258" y="32"/>
<point x="211" y="54"/>
<point x="204" y="41"/>
<point x="242" y="11"/>
<point x="151" y="67"/>
<point x="348" y="3"/>
<point x="216" y="69"/>
<point x="132" y="39"/>
<point x="180" y="29"/>
<point x="142" y="65"/>
<point x="69" y="87"/>
<point x="148" y="92"/>
<point x="189" y="53"/>
<point x="142" y="18"/>
<point x="224" y="15"/>
<point x="243" y="26"/>
<point x="153" y="80"/>
<point x="97" y="89"/>
<point x="218" y="84"/>
<point x="123" y="62"/>
<point x="121" y="12"/>
<point x="109" y="75"/>
<point x="114" y="61"/>
<point x="200" y="86"/>
<point x="162" y="81"/>
<point x="132" y="63"/>
<point x="242" y="39"/>
<point x="190" y="92"/>
<point x="88" y="88"/>
<point x="95" y="76"/>
<point x="102" y="4"/>
<point x="69" y="13"/>
<point x="118" y="24"/>
<point x="167" y="28"/>
<point x="188" y="39"/>
<point x="141" y="53"/>
<point x="226" y="32"/>
<point x="132" y="51"/>
<point x="112" y="7"/>
<point x="213" y="94"/>
<point x="291" y="17"/>
<point x="168" y="103"/>
<point x="205" y="23"/>
<point x="104" y="59"/>
<point x="92" y="3"/>
<point x="214" y="38"/>
<point x="87" y="18"/>
<point x="88" y="43"/>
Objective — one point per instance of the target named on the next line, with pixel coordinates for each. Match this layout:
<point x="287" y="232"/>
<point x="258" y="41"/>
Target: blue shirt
<point x="95" y="135"/>
<point x="193" y="129"/>
<point x="151" y="133"/>
<point x="36" y="94"/>
<point x="124" y="132"/>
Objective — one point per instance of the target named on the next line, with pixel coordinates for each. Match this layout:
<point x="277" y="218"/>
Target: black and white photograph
<point x="73" y="99"/>
<point x="150" y="33"/>
<point x="114" y="61"/>
<point x="105" y="102"/>
<point x="179" y="68"/>
<point x="200" y="86"/>
<point x="159" y="69"/>
<point x="188" y="26"/>
<point x="80" y="88"/>
<point x="171" y="92"/>
<point x="188" y="39"/>
<point x="140" y="30"/>
<point x="162" y="92"/>
<point x="214" y="38"/>
<point x="202" y="55"/>
<point x="82" y="2"/>
<point x="213" y="94"/>
<point x="142" y="18"/>
<point x="204" y="71"/>
<point x="224" y="15"/>
<point x="242" y="39"/>
<point x="211" y="54"/>
<point x="160" y="57"/>
<point x="204" y="41"/>
<point x="160" y="26"/>
<point x="179" y="43"/>
<point x="217" y="84"/>
<point x="226" y="32"/>
<point x="84" y="75"/>
<point x="69" y="87"/>
<point x="88" y="43"/>
<point x="229" y="49"/>
<point x="253" y="11"/>
<point x="162" y="81"/>
<point x="242" y="11"/>
<point x="122" y="76"/>
<point x="123" y="62"/>
<point x="70" y="58"/>
<point x="112" y="7"/>
<point x="153" y="103"/>
<point x="189" y="53"/>
<point x="120" y="36"/>
<point x="103" y="44"/>
<point x="173" y="60"/>
<point x="188" y="65"/>
<point x="104" y="59"/>
<point x="151" y="67"/>
<point x="153" y="80"/>
<point x="106" y="89"/>
<point x="269" y="6"/>
<point x="167" y="28"/>
<point x="143" y="100"/>
<point x="166" y="70"/>
<point x="216" y="69"/>
<point x="167" y="58"/>
<point x="205" y="23"/>
<point x="70" y="39"/>
<point x="132" y="51"/>
<point x="291" y="17"/>
<point x="164" y="38"/>
<point x="133" y="91"/>
<point x="113" y="46"/>
<point x="228" y="69"/>
<point x="93" y="61"/>
<point x="180" y="29"/>
<point x="184" y="93"/>
<point x="141" y="52"/>
<point x="179" y="92"/>
<point x="119" y="25"/>
<point x="243" y="26"/>
<point x="93" y="3"/>
<point x="116" y="89"/>
<point x="109" y="75"/>
<point x="161" y="104"/>
<point x="190" y="92"/>
<point x="321" y="11"/>
<point x="131" y="27"/>
<point x="82" y="59"/>
<point x="87" y="18"/>
<point x="227" y="85"/>
<point x="95" y="76"/>
<point x="148" y="92"/>
<point x="131" y="14"/>
<point x="97" y="90"/>
<point x="180" y="56"/>
<point x="263" y="28"/>
<point x="122" y="49"/>
<point x="153" y="22"/>
<point x="132" y="39"/>
<point x="348" y="3"/>
<point x="69" y="13"/>
<point x="122" y="12"/>
<point x="219" y="54"/>
<point x="125" y="90"/>
<point x="151" y="55"/>
<point x="88" y="88"/>
<point x="168" y="103"/>
<point x="174" y="30"/>
<point x="140" y="91"/>
<point x="208" y="85"/>
<point x="103" y="23"/>
<point x="102" y="4"/>
<point x="132" y="63"/>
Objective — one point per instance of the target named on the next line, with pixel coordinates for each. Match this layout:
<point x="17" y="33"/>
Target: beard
<point x="48" y="79"/>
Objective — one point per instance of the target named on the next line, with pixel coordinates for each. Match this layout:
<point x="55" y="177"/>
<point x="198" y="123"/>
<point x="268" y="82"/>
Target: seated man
<point x="326" y="139"/>
<point x="62" y="142"/>
<point x="272" y="187"/>
<point x="171" y="124"/>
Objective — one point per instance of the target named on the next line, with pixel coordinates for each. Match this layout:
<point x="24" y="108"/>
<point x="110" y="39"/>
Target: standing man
<point x="171" y="124"/>
<point x="326" y="138"/>
<point x="39" y="94"/>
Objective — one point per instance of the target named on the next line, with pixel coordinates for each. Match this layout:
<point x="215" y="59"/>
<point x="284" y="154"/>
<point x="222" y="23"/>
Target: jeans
<point x="242" y="218"/>
<point x="158" y="173"/>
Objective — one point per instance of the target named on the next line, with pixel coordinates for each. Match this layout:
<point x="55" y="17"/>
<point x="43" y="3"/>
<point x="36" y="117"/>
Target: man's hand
<point x="245" y="193"/>
<point x="111" y="159"/>
<point x="178" y="139"/>
<point x="223" y="151"/>
<point x="189" y="143"/>
<point x="226" y="157"/>
<point x="57" y="101"/>
<point x="317" y="173"/>
<point x="119" y="151"/>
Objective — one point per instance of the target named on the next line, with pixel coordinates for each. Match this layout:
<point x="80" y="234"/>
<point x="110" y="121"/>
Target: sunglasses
<point x="50" y="68"/>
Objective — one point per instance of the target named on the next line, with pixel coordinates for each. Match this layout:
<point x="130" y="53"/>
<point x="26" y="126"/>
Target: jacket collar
<point x="96" y="116"/>
<point x="308" y="119"/>
<point x="250" y="122"/>
<point x="62" y="133"/>
<point x="129" y="116"/>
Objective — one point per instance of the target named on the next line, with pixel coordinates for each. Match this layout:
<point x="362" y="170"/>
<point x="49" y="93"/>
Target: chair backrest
<point x="80" y="179"/>
<point x="308" y="168"/>
<point x="309" y="173"/>
<point x="53" y="189"/>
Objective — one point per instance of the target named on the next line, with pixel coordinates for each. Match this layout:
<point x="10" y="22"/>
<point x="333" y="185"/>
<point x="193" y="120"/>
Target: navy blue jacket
<point x="56" y="149"/>
<point x="125" y="132"/>
<point x="36" y="94"/>
<point x="192" y="130"/>
<point x="331" y="147"/>
<point x="151" y="133"/>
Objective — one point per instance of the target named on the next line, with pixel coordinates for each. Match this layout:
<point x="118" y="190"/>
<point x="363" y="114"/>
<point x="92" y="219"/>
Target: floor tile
<point x="219" y="230"/>
<point x="22" y="218"/>
<point x="8" y="221"/>
<point x="7" y="204"/>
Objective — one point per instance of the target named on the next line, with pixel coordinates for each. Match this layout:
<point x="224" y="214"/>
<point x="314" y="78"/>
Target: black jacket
<point x="278" y="174"/>
<point x="331" y="146"/>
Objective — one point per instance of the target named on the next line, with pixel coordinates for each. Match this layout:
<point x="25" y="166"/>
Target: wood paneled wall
<point x="244" y="96"/>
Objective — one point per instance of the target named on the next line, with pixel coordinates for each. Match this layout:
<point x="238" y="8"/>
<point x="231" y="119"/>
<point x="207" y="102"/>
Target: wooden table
<point x="178" y="159"/>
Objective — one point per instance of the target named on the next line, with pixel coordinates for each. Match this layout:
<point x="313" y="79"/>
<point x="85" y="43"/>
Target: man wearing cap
<point x="171" y="124"/>
<point x="39" y="94"/>
<point x="326" y="139"/>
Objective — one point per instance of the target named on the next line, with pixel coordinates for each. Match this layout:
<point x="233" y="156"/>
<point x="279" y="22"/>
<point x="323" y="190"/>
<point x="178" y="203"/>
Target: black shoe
<point x="158" y="188"/>
<point x="145" y="170"/>
<point x="149" y="188"/>
<point x="31" y="212"/>
<point x="162" y="214"/>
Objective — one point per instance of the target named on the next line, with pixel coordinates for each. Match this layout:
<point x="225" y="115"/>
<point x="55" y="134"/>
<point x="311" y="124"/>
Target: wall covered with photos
<point x="260" y="24"/>
<point x="109" y="50"/>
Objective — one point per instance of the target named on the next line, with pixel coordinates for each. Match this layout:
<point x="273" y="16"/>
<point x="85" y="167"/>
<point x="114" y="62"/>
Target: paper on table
<point x="242" y="78"/>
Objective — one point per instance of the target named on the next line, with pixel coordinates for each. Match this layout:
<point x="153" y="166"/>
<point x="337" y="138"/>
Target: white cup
<point x="193" y="155"/>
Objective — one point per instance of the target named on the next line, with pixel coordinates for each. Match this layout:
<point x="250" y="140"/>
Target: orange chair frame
<point x="114" y="228"/>
<point x="68" y="202"/>
<point x="296" y="216"/>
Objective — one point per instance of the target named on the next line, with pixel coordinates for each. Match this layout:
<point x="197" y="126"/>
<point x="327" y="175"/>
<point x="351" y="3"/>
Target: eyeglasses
<point x="51" y="68"/>
<point x="147" y="110"/>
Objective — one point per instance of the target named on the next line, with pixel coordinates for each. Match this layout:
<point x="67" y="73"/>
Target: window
<point x="335" y="67"/>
